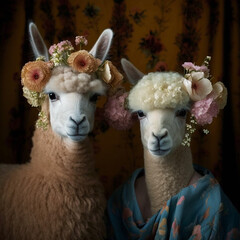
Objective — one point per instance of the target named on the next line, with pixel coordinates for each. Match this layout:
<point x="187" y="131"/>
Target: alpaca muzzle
<point x="78" y="128"/>
<point x="160" y="144"/>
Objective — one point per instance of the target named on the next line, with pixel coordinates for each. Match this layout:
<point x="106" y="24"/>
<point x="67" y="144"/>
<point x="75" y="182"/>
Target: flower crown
<point x="207" y="99"/>
<point x="171" y="91"/>
<point x="36" y="74"/>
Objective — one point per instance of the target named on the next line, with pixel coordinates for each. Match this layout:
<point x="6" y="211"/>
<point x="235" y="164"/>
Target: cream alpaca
<point x="168" y="164"/>
<point x="169" y="199"/>
<point x="57" y="195"/>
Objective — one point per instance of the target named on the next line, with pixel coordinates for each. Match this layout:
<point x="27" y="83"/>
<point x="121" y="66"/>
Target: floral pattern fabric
<point x="199" y="211"/>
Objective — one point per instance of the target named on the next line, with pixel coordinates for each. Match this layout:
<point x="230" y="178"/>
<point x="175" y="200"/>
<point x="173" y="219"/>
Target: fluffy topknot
<point x="158" y="90"/>
<point x="65" y="79"/>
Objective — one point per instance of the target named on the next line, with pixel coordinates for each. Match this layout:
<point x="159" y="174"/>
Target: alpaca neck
<point x="56" y="155"/>
<point x="166" y="176"/>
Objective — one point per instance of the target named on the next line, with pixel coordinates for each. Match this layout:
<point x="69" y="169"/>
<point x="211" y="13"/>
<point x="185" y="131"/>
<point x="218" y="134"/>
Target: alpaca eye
<point x="140" y="114"/>
<point x="94" y="97"/>
<point x="181" y="113"/>
<point x="52" y="96"/>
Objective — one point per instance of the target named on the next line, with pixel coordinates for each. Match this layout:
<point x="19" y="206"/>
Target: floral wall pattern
<point x="154" y="36"/>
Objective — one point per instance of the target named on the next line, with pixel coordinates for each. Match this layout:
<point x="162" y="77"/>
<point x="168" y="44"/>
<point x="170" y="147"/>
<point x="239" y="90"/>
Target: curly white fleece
<point x="65" y="79"/>
<point x="158" y="90"/>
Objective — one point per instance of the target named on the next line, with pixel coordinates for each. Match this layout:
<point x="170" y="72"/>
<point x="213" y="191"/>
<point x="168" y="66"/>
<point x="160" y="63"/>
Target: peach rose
<point x="35" y="75"/>
<point x="83" y="62"/>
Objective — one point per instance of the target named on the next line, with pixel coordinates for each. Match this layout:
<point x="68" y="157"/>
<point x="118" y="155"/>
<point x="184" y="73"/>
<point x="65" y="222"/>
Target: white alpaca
<point x="169" y="199"/>
<point x="58" y="194"/>
<point x="168" y="165"/>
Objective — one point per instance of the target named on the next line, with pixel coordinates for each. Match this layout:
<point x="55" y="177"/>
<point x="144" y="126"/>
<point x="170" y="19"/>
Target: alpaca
<point x="58" y="195"/>
<point x="170" y="198"/>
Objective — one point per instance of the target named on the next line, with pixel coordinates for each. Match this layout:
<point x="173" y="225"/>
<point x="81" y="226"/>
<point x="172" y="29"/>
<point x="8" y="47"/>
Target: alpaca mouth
<point x="159" y="151"/>
<point x="77" y="137"/>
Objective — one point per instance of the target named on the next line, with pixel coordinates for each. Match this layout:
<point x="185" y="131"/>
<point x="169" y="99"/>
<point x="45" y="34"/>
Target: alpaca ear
<point x="102" y="46"/>
<point x="38" y="46"/>
<point x="133" y="74"/>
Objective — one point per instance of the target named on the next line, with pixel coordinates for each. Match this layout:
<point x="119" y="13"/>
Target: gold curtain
<point x="153" y="35"/>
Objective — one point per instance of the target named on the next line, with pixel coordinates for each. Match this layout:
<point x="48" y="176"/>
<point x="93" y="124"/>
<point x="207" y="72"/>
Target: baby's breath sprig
<point x="206" y="131"/>
<point x="190" y="129"/>
<point x="41" y="58"/>
<point x="207" y="61"/>
<point x="35" y="99"/>
<point x="42" y="121"/>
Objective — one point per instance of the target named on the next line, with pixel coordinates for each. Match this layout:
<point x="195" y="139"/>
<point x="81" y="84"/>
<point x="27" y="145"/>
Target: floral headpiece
<point x="36" y="74"/>
<point x="171" y="90"/>
<point x="207" y="99"/>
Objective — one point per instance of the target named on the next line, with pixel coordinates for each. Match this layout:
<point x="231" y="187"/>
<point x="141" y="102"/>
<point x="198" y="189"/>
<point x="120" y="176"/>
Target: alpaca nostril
<point x="164" y="134"/>
<point x="161" y="135"/>
<point x="154" y="135"/>
<point x="78" y="121"/>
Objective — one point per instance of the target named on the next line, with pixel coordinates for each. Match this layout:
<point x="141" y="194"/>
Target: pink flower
<point x="204" y="110"/>
<point x="64" y="45"/>
<point x="81" y="40"/>
<point x="52" y="49"/>
<point x="115" y="113"/>
<point x="197" y="86"/>
<point x="189" y="66"/>
<point x="61" y="47"/>
<point x="204" y="69"/>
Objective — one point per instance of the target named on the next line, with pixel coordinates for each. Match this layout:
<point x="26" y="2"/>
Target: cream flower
<point x="111" y="75"/>
<point x="197" y="86"/>
<point x="219" y="94"/>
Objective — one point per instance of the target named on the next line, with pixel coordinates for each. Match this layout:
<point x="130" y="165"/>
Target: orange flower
<point x="111" y="75"/>
<point x="83" y="62"/>
<point x="35" y="75"/>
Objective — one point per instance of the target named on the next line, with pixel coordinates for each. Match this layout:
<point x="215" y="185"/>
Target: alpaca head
<point x="162" y="100"/>
<point x="161" y="104"/>
<point x="72" y="101"/>
<point x="72" y="87"/>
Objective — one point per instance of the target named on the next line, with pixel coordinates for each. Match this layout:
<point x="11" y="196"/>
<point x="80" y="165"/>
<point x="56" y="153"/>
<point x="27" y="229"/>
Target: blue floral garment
<point x="199" y="211"/>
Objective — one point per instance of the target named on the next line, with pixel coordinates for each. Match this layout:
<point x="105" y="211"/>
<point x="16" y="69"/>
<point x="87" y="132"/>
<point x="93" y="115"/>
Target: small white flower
<point x="206" y="131"/>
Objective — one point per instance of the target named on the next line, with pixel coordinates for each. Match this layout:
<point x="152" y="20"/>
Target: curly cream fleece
<point x="65" y="79"/>
<point x="158" y="90"/>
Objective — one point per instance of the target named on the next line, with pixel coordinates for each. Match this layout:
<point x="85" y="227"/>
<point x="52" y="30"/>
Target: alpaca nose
<point x="78" y="120"/>
<point x="163" y="134"/>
